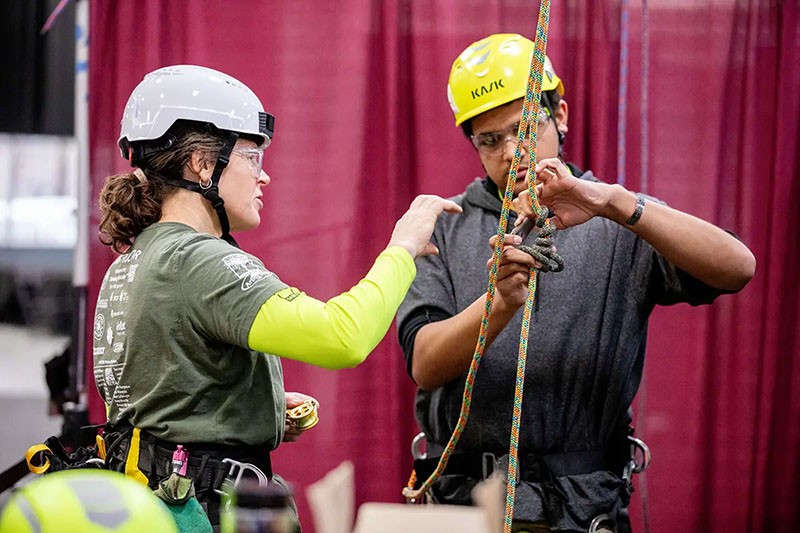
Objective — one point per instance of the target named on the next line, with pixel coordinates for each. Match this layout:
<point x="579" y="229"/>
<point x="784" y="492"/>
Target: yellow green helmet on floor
<point x="85" y="501"/>
<point x="492" y="72"/>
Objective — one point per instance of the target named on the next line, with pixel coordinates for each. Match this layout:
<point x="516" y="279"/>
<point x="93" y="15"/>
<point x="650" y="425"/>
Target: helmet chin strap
<point x="211" y="191"/>
<point x="561" y="136"/>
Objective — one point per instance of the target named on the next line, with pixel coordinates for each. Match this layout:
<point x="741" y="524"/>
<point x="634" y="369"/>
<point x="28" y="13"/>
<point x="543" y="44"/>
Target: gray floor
<point x="23" y="392"/>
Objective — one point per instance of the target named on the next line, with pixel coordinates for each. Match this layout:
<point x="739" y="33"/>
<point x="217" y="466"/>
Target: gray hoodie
<point x="585" y="354"/>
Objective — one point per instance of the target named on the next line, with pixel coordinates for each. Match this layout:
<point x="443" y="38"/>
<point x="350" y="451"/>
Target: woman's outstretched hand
<point x="414" y="229"/>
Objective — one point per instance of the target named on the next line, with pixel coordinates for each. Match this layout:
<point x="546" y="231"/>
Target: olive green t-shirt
<point x="170" y="341"/>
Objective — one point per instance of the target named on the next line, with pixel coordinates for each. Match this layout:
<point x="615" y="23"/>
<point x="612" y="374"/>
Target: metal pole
<point x="80" y="276"/>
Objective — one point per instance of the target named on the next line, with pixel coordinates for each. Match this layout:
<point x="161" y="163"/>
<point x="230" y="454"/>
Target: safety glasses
<point x="493" y="142"/>
<point x="254" y="157"/>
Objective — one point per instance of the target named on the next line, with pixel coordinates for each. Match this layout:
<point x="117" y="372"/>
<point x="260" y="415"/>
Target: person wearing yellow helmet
<point x="487" y="83"/>
<point x="588" y="332"/>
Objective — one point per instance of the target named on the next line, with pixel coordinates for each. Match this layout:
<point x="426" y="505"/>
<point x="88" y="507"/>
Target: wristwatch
<point x="637" y="213"/>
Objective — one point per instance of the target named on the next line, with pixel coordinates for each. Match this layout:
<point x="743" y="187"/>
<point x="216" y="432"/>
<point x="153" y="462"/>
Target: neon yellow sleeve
<point x="341" y="332"/>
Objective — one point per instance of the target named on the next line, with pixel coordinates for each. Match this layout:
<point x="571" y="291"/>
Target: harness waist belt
<point x="532" y="468"/>
<point x="205" y="463"/>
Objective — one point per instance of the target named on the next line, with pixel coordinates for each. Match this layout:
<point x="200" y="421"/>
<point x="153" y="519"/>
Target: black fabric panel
<point x="37" y="85"/>
<point x="407" y="331"/>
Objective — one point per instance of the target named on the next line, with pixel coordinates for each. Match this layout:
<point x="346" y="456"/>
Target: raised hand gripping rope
<point x="530" y="109"/>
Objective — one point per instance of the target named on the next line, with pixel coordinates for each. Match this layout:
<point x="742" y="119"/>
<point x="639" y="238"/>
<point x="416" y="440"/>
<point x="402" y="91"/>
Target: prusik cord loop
<point x="542" y="250"/>
<point x="530" y="109"/>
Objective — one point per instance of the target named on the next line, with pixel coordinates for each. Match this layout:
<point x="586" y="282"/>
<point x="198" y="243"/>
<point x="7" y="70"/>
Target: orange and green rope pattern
<point x="530" y="109"/>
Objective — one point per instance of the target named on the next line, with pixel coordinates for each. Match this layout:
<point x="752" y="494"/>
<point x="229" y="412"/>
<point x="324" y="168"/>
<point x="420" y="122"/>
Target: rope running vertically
<point x="529" y="110"/>
<point x="527" y="123"/>
<point x="622" y="99"/>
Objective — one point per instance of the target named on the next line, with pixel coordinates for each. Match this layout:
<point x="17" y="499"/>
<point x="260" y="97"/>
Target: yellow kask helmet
<point x="492" y="72"/>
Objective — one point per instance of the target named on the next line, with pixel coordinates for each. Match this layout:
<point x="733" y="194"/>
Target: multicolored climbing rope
<point x="530" y="109"/>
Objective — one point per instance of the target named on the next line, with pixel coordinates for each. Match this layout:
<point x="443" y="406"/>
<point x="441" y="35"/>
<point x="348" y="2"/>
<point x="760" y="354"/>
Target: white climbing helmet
<point x="191" y="92"/>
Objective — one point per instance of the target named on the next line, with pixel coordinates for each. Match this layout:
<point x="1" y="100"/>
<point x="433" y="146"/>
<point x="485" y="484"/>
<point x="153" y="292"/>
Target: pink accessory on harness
<point x="180" y="460"/>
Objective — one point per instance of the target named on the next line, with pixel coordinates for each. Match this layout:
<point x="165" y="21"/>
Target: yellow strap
<point x="101" y="447"/>
<point x="132" y="462"/>
<point x="33" y="450"/>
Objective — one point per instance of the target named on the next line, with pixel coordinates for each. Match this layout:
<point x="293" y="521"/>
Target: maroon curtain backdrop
<point x="363" y="125"/>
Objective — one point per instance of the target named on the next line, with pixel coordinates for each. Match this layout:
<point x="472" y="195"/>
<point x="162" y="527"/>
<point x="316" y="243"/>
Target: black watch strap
<point x="637" y="213"/>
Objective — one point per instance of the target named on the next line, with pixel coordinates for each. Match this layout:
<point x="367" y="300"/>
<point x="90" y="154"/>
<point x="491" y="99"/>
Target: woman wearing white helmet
<point x="185" y="321"/>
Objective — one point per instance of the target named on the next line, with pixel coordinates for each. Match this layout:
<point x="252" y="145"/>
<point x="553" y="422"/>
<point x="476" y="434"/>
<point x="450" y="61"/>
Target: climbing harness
<point x="126" y="447"/>
<point x="175" y="473"/>
<point x="530" y="109"/>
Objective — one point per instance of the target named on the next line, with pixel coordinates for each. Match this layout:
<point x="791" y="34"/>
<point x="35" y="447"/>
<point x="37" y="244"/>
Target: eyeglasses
<point x="254" y="157"/>
<point x="493" y="142"/>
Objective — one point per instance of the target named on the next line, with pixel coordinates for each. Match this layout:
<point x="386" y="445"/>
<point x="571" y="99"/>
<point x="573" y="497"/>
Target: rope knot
<point x="542" y="249"/>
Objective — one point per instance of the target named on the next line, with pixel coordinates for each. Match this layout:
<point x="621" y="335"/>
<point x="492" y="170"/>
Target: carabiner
<point x="416" y="446"/>
<point x="233" y="482"/>
<point x="639" y="444"/>
<point x="598" y="521"/>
